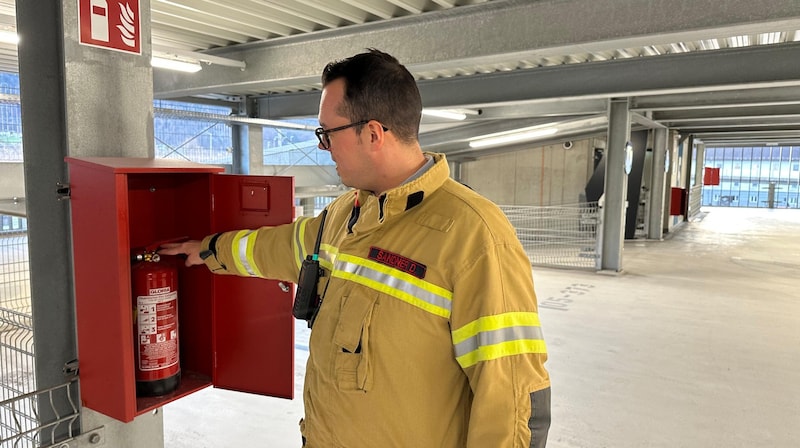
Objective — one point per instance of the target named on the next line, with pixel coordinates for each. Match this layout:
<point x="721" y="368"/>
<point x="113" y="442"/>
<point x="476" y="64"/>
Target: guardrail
<point x="558" y="236"/>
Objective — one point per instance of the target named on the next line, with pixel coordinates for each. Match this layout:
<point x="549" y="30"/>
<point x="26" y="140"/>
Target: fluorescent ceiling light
<point x="442" y="113"/>
<point x="175" y="64"/>
<point x="652" y="50"/>
<point x="518" y="135"/>
<point x="740" y="41"/>
<point x="769" y="38"/>
<point x="680" y="47"/>
<point x="9" y="37"/>
<point x="710" y="44"/>
<point x="161" y="51"/>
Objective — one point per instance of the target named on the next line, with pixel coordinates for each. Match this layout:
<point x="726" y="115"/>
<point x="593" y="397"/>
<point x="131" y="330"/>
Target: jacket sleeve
<point x="269" y="252"/>
<point x="499" y="345"/>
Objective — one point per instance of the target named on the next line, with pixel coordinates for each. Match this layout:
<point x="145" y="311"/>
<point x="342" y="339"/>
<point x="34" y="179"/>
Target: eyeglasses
<point x="324" y="138"/>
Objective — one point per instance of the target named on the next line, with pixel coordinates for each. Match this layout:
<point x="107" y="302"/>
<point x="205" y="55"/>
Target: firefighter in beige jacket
<point x="428" y="333"/>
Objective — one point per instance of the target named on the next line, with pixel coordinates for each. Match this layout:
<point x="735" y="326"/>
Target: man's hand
<point x="189" y="248"/>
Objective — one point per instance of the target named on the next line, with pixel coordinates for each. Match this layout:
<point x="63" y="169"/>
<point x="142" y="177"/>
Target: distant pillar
<point x="308" y="206"/>
<point x="655" y="218"/>
<point x="615" y="185"/>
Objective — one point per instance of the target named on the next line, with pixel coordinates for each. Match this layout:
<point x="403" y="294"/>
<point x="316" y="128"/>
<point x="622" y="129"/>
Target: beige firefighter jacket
<point x="428" y="334"/>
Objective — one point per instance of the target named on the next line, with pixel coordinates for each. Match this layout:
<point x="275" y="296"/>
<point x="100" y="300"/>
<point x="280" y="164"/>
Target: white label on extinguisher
<point x="158" y="329"/>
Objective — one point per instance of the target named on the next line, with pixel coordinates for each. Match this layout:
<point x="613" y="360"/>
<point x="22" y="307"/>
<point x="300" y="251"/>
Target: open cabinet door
<point x="252" y="318"/>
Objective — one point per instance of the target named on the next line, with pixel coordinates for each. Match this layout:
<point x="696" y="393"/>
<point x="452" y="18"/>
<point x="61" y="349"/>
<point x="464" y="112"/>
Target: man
<point x="428" y="333"/>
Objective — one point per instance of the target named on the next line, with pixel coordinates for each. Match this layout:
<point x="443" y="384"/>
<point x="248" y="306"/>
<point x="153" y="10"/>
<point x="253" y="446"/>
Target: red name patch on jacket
<point x="399" y="262"/>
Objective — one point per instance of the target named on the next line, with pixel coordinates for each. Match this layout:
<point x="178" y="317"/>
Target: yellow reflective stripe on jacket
<point x="300" y="252"/>
<point x="242" y="246"/>
<point x="416" y="292"/>
<point x="327" y="256"/>
<point x="493" y="337"/>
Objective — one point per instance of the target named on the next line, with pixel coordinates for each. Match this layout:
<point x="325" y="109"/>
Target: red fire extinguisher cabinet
<point x="235" y="332"/>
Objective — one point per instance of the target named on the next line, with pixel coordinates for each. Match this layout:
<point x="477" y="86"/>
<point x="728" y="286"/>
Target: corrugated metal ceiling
<point x="221" y="28"/>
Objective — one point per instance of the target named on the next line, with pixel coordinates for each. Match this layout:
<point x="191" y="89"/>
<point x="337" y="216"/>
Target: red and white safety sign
<point x="110" y="24"/>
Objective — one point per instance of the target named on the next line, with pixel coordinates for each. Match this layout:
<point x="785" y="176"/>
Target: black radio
<point x="306" y="300"/>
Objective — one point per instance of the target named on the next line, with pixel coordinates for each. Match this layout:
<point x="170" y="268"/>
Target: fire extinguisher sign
<point x="111" y="24"/>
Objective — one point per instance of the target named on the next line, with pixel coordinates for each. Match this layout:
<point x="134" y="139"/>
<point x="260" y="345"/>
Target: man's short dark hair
<point x="378" y="87"/>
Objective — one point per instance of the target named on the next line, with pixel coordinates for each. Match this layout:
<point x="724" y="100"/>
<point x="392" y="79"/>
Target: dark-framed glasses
<point x="323" y="134"/>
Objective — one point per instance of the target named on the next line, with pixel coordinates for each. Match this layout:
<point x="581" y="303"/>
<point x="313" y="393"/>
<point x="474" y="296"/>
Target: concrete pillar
<point x="248" y="149"/>
<point x="308" y="206"/>
<point x="255" y="148"/>
<point x="672" y="165"/>
<point x="700" y="158"/>
<point x="76" y="100"/>
<point x="655" y="216"/>
<point x="248" y="143"/>
<point x="615" y="185"/>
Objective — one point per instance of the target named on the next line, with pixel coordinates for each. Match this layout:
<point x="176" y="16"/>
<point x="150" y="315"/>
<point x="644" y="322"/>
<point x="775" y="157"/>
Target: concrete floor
<point x="696" y="344"/>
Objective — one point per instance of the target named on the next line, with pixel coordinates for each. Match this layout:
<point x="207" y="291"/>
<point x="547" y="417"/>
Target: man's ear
<point x="376" y="132"/>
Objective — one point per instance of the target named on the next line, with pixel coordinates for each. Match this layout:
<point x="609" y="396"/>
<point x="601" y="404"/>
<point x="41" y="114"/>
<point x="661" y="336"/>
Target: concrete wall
<point x="12" y="180"/>
<point x="549" y="175"/>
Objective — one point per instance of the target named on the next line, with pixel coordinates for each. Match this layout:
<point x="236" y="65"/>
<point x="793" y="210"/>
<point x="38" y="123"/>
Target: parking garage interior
<point x="670" y="315"/>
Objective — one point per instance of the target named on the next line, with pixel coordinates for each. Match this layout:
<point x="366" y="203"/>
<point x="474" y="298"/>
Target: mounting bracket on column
<point x="62" y="191"/>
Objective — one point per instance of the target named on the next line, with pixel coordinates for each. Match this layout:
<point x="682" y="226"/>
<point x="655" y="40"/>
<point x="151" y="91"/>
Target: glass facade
<point x="757" y="177"/>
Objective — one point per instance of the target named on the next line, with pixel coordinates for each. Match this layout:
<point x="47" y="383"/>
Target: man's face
<point x="348" y="150"/>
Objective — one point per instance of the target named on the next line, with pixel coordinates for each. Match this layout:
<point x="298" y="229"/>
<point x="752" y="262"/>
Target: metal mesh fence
<point x="21" y="419"/>
<point x="16" y="329"/>
<point x="558" y="236"/>
<point x="28" y="417"/>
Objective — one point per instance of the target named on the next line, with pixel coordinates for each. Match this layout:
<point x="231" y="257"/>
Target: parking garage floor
<point x="695" y="344"/>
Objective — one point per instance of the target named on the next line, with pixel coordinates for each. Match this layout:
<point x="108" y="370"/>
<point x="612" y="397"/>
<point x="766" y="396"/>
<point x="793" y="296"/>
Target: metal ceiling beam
<point x="646" y="121"/>
<point x="678" y="74"/>
<point x="749" y="132"/>
<point x="554" y="108"/>
<point x="734" y="124"/>
<point x="730" y="69"/>
<point x="509" y="31"/>
<point x="434" y="140"/>
<point x="763" y="112"/>
<point x="456" y="142"/>
<point x="710" y="100"/>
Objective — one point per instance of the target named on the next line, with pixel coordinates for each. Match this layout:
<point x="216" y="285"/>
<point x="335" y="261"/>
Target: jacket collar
<point x="376" y="210"/>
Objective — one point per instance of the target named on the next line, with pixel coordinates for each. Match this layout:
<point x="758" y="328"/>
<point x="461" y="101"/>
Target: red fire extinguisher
<point x="155" y="324"/>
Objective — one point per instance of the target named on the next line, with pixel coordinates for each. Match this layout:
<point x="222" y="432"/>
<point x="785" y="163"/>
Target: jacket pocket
<point x="351" y="338"/>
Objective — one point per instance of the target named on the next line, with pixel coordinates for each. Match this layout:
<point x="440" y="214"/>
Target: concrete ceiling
<point x="725" y="71"/>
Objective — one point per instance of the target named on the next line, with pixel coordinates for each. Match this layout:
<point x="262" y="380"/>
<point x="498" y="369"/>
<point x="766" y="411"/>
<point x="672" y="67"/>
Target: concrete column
<point x="615" y="185"/>
<point x="81" y="101"/>
<point x="248" y="149"/>
<point x="248" y="143"/>
<point x="672" y="169"/>
<point x="308" y="206"/>
<point x="240" y="144"/>
<point x="701" y="163"/>
<point x="255" y="148"/>
<point x="655" y="217"/>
